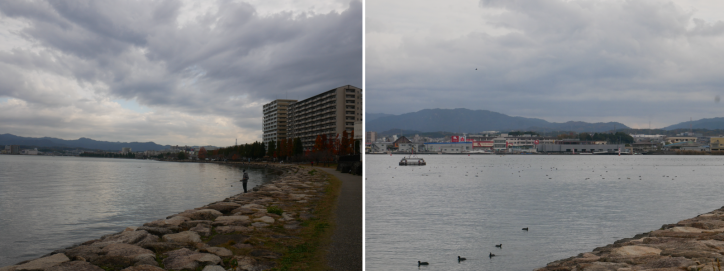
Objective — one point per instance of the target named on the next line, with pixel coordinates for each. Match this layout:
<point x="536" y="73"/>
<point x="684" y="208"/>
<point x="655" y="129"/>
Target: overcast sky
<point x="604" y="60"/>
<point x="172" y="72"/>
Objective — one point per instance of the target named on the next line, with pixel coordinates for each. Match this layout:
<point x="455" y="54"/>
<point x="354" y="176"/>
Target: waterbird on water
<point x="461" y="259"/>
<point x="491" y="255"/>
<point x="525" y="229"/>
<point x="500" y="245"/>
<point x="422" y="263"/>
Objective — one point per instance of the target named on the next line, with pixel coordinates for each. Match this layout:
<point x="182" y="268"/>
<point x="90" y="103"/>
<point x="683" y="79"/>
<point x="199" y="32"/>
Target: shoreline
<point x="692" y="244"/>
<point x="243" y="231"/>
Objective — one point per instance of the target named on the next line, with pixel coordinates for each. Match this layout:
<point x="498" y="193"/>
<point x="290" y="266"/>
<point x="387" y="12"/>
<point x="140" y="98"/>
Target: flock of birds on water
<point x="478" y="171"/>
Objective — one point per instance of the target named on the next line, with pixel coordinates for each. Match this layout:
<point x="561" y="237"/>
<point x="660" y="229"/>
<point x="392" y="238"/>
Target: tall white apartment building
<point x="330" y="112"/>
<point x="276" y="120"/>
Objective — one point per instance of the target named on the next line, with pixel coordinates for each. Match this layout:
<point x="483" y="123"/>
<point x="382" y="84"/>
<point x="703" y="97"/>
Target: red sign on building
<point x="536" y="141"/>
<point x="454" y="139"/>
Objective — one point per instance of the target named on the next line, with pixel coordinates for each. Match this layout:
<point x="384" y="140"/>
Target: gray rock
<point x="145" y="259"/>
<point x="224" y="239"/>
<point x="236" y="220"/>
<point x="156" y="230"/>
<point x="188" y="259"/>
<point x="144" y="268"/>
<point x="224" y="207"/>
<point x="292" y="226"/>
<point x="161" y="247"/>
<point x="245" y="262"/>
<point x="43" y="263"/>
<point x="129" y="237"/>
<point x="260" y="224"/>
<point x="194" y="223"/>
<point x="231" y="229"/>
<point x="220" y="251"/>
<point x="203" y="214"/>
<point x="213" y="268"/>
<point x="243" y="211"/>
<point x="265" y="219"/>
<point x="126" y="251"/>
<point x="183" y="237"/>
<point x="8" y="268"/>
<point x="74" y="266"/>
<point x="201" y="230"/>
<point x="86" y="252"/>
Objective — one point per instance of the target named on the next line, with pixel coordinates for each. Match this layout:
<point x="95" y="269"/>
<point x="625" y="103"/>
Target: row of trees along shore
<point x="324" y="150"/>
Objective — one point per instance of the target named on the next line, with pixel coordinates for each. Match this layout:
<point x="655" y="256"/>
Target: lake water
<point x="571" y="204"/>
<point x="49" y="203"/>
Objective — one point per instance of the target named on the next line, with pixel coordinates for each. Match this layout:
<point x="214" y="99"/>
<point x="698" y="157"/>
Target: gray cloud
<point x="557" y="60"/>
<point x="219" y="62"/>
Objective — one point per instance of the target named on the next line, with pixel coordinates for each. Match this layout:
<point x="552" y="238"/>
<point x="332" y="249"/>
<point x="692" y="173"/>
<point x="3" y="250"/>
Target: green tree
<point x="271" y="149"/>
<point x="298" y="148"/>
<point x="181" y="156"/>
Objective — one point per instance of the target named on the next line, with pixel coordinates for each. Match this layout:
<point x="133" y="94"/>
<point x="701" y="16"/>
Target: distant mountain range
<point x="473" y="121"/>
<point x="9" y="139"/>
<point x="709" y="124"/>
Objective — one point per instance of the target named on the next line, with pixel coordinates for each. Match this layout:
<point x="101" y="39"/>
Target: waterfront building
<point x="276" y="120"/>
<point x="329" y="113"/>
<point x="716" y="143"/>
<point x="500" y="144"/>
<point x="561" y="147"/>
<point x="402" y="139"/>
<point x="14" y="149"/>
<point x="677" y="139"/>
<point x="449" y="147"/>
<point x="370" y="137"/>
<point x="125" y="150"/>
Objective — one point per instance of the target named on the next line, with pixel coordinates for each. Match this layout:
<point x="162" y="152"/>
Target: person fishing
<point x="244" y="179"/>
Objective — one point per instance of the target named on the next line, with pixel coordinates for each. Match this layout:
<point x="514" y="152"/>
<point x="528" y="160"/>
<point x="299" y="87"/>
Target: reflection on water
<point x="465" y="205"/>
<point x="48" y="203"/>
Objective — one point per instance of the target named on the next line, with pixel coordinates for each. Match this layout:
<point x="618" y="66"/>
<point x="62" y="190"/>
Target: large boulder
<point x="202" y="230"/>
<point x="634" y="251"/>
<point x="219" y="251"/>
<point x="74" y="266"/>
<point x="232" y="229"/>
<point x="43" y="263"/>
<point x="87" y="252"/>
<point x="213" y="268"/>
<point x="126" y="251"/>
<point x="128" y="237"/>
<point x="159" y="231"/>
<point x="203" y="214"/>
<point x="183" y="237"/>
<point x="236" y="220"/>
<point x="188" y="259"/>
<point x="265" y="219"/>
<point x="224" y="207"/>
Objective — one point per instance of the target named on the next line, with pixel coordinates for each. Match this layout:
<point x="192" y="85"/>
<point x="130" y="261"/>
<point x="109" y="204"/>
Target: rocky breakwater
<point x="242" y="232"/>
<point x="695" y="244"/>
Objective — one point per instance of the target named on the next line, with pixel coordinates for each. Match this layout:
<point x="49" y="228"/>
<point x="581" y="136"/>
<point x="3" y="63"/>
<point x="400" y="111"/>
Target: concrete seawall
<point x="242" y="232"/>
<point x="692" y="244"/>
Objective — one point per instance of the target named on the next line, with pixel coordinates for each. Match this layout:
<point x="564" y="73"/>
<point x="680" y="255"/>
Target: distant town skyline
<point x="171" y="72"/>
<point x="633" y="62"/>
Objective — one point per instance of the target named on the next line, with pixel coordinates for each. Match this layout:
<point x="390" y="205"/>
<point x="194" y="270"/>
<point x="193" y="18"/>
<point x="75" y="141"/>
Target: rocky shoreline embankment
<point x="242" y="232"/>
<point x="695" y="244"/>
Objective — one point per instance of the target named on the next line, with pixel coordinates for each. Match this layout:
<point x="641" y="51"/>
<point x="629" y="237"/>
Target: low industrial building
<point x="449" y="147"/>
<point x="579" y="148"/>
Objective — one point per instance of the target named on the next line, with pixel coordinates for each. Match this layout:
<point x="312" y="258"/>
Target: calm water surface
<point x="465" y="205"/>
<point x="48" y="203"/>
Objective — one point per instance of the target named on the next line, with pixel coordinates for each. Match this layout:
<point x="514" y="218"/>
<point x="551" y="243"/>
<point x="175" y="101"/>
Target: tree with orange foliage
<point x="282" y="149"/>
<point x="318" y="144"/>
<point x="235" y="157"/>
<point x="202" y="153"/>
